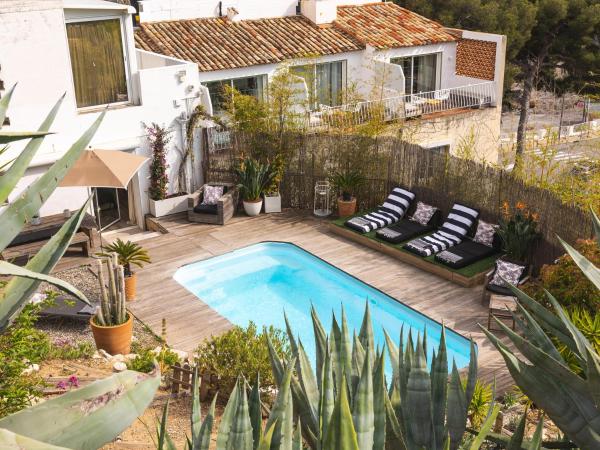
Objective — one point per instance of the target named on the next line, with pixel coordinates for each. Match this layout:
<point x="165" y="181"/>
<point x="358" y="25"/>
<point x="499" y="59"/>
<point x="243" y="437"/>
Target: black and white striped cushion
<point x="458" y="223"/>
<point x="392" y="210"/>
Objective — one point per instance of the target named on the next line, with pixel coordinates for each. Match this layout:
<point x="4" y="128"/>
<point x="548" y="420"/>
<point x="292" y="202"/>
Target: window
<point x="97" y="62"/>
<point x="421" y="73"/>
<point x="325" y="82"/>
<point x="440" y="149"/>
<point x="254" y="86"/>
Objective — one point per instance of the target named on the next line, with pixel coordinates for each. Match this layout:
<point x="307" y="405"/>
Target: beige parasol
<point x="103" y="168"/>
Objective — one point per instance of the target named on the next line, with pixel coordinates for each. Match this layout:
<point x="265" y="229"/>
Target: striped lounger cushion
<point x="455" y="228"/>
<point x="392" y="210"/>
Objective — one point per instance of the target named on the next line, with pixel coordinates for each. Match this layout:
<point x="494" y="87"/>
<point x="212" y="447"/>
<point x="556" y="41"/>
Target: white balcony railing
<point x="404" y="106"/>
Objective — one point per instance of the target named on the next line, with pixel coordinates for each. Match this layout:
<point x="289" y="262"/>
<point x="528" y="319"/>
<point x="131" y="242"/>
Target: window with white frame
<point x="325" y="82"/>
<point x="421" y="73"/>
<point x="97" y="54"/>
<point x="254" y="86"/>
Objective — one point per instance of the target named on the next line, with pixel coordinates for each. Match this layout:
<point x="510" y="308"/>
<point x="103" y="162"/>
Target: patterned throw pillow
<point x="508" y="271"/>
<point x="212" y="194"/>
<point x="423" y="213"/>
<point x="485" y="233"/>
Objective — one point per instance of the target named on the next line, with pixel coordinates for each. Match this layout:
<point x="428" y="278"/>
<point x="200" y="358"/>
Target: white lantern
<point x="322" y="208"/>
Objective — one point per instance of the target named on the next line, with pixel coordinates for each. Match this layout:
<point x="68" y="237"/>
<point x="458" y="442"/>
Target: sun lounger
<point x="453" y="231"/>
<point x="407" y="229"/>
<point x="464" y="254"/>
<point x="392" y="210"/>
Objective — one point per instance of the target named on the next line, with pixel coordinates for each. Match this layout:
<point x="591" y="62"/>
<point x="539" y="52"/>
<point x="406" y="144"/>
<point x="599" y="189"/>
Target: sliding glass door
<point x="325" y="82"/>
<point x="421" y="73"/>
<point x="255" y="86"/>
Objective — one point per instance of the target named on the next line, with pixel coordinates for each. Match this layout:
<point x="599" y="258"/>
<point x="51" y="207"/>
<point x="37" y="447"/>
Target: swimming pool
<point x="257" y="283"/>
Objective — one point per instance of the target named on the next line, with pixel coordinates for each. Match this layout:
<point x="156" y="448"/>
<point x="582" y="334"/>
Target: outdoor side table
<point x="502" y="307"/>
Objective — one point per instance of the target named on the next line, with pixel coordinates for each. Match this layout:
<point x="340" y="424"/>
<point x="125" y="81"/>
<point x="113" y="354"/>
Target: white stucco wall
<point x="158" y="93"/>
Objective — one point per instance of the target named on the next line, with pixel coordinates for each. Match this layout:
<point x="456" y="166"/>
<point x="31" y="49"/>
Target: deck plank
<point x="189" y="320"/>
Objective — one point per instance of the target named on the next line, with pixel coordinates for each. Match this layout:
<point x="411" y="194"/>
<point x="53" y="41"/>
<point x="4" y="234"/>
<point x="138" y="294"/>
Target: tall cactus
<point x="112" y="310"/>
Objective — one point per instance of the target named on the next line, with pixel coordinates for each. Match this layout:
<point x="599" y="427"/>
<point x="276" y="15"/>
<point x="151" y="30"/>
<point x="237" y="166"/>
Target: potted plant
<point x="112" y="325"/>
<point x="346" y="183"/>
<point x="253" y="177"/>
<point x="272" y="194"/>
<point x="128" y="253"/>
<point x="162" y="203"/>
<point x="518" y="230"/>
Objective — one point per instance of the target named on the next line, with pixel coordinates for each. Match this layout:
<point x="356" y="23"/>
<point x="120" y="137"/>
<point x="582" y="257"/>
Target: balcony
<point x="403" y="107"/>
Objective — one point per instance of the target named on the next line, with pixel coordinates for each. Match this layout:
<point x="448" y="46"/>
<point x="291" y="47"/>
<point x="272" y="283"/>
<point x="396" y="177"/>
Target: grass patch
<point x="469" y="271"/>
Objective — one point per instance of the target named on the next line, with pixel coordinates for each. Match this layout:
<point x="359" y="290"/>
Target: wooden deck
<point x="189" y="320"/>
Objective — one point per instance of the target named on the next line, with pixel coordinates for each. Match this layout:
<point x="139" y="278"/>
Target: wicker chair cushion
<point x="205" y="209"/>
<point x="212" y="194"/>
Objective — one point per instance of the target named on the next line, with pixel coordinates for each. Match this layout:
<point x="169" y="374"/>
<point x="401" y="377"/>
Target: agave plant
<point x="129" y="253"/>
<point x="85" y="418"/>
<point x="574" y="403"/>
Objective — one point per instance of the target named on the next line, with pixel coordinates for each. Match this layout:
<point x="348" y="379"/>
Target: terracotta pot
<point x="130" y="287"/>
<point x="114" y="340"/>
<point x="346" y="208"/>
<point x="253" y="208"/>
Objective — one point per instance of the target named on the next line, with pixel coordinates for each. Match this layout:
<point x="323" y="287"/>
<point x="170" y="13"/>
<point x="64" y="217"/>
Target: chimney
<point x="232" y="14"/>
<point x="319" y="12"/>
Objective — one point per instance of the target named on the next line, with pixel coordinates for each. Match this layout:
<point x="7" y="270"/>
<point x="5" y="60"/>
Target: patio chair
<point x="213" y="214"/>
<point x="458" y="224"/>
<point x="407" y="229"/>
<point x="392" y="210"/>
<point x="490" y="287"/>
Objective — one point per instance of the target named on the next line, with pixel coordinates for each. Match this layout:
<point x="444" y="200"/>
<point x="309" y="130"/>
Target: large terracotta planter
<point x="113" y="340"/>
<point x="346" y="208"/>
<point x="253" y="208"/>
<point x="130" y="287"/>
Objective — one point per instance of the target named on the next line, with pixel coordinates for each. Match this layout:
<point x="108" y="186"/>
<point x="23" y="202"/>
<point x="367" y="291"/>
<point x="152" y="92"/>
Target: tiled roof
<point x="218" y="44"/>
<point x="476" y="59"/>
<point x="387" y="25"/>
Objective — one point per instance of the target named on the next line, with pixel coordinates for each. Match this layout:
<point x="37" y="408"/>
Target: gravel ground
<point x="68" y="331"/>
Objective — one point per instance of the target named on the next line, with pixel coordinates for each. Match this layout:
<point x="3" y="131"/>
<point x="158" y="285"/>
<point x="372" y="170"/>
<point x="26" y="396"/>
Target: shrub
<point x="240" y="351"/>
<point x="144" y="362"/>
<point x="480" y="402"/>
<point x="589" y="325"/>
<point x="158" y="137"/>
<point x="567" y="283"/>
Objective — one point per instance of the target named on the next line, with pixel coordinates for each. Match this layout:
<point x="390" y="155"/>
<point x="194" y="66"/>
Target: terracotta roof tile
<point x="387" y="25"/>
<point x="218" y="44"/>
<point x="476" y="59"/>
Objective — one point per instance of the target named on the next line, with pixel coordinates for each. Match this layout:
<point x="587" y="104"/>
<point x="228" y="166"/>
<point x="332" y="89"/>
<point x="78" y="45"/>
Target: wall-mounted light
<point x="189" y="88"/>
<point x="181" y="75"/>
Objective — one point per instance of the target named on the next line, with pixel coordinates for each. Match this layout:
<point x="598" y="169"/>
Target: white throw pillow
<point x="485" y="233"/>
<point x="212" y="194"/>
<point x="423" y="213"/>
<point x="508" y="271"/>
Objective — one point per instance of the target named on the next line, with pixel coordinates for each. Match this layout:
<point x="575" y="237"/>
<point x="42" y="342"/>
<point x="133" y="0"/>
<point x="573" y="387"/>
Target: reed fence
<point x="437" y="179"/>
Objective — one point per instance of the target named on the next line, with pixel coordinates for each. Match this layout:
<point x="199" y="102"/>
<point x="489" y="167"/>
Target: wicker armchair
<point x="214" y="214"/>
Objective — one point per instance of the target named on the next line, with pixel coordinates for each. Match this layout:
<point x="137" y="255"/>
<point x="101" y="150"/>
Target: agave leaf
<point x="472" y="375"/>
<point x="358" y="358"/>
<point x="536" y="440"/>
<point x="164" y="441"/>
<point x="88" y="417"/>
<point x="327" y="400"/>
<point x="485" y="427"/>
<point x="394" y="436"/>
<point x="593" y="375"/>
<point x="265" y="440"/>
<point x="240" y="435"/>
<point x="227" y="419"/>
<point x="363" y="415"/>
<point x="20" y="289"/>
<point x="12" y="441"/>
<point x="340" y="433"/>
<point x="419" y="399"/>
<point x="320" y="342"/>
<point x="282" y="412"/>
<point x="11" y="177"/>
<point x="4" y="102"/>
<point x="297" y="438"/>
<point x="29" y="203"/>
<point x="394" y="354"/>
<point x="291" y="338"/>
<point x="366" y="332"/>
<point x="345" y="348"/>
<point x="516" y="440"/>
<point x="580" y="340"/>
<point x="335" y="345"/>
<point x="195" y="417"/>
<point x="276" y="366"/>
<point x="535" y="333"/>
<point x="439" y="389"/>
<point x="379" y="395"/>
<point x="202" y="440"/>
<point x="596" y="223"/>
<point x="456" y="416"/>
<point x="591" y="272"/>
<point x="7" y="137"/>
<point x="307" y="380"/>
<point x="256" y="411"/>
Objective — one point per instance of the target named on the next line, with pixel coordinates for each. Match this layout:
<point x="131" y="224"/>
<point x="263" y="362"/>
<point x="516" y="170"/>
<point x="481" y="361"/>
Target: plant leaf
<point x="4" y="102"/>
<point x="591" y="272"/>
<point x="256" y="411"/>
<point x="363" y="415"/>
<point x="240" y="435"/>
<point x="12" y="441"/>
<point x="88" y="417"/>
<point x="340" y="433"/>
<point x="485" y="427"/>
<point x="227" y="419"/>
<point x="282" y="412"/>
<point x="7" y="137"/>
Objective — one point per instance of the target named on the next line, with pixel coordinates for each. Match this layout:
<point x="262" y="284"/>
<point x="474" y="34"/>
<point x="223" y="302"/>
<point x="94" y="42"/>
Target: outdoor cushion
<point x="507" y="272"/>
<point x="485" y="233"/>
<point x="205" y="209"/>
<point x="465" y="254"/>
<point x="392" y="210"/>
<point x="423" y="213"/>
<point x="212" y="194"/>
<point x="407" y="229"/>
<point x="459" y="222"/>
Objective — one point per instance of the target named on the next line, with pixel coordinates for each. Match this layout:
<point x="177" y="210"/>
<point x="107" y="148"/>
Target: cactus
<point x="112" y="311"/>
<point x="574" y="403"/>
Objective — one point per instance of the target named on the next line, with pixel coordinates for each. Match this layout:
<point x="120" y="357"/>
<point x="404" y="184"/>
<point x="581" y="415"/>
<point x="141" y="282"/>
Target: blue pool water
<point x="257" y="283"/>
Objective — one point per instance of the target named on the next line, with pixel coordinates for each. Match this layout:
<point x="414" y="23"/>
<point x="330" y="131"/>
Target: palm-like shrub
<point x="85" y="418"/>
<point x="347" y="182"/>
<point x="129" y="253"/>
<point x="253" y="178"/>
<point x="518" y="230"/>
<point x="570" y="398"/>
